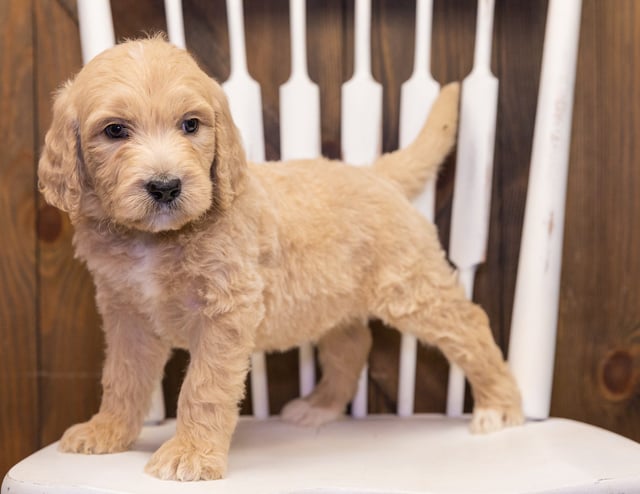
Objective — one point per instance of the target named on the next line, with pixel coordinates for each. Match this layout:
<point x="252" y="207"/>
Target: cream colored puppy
<point x="191" y="246"/>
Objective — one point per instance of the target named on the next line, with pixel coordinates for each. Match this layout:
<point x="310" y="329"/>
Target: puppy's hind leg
<point x="430" y="303"/>
<point x="343" y="352"/>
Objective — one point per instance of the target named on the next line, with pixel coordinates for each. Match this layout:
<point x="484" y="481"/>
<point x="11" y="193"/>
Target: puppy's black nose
<point x="164" y="191"/>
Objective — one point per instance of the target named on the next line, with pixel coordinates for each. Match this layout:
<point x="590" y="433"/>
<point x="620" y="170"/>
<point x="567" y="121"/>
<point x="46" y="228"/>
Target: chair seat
<point x="379" y="454"/>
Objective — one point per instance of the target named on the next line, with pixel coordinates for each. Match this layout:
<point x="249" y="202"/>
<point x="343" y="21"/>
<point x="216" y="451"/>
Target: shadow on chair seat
<point x="380" y="454"/>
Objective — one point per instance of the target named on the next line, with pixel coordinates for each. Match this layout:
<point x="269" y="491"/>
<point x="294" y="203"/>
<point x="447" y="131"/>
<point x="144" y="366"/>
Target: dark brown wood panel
<point x="596" y="376"/>
<point x="519" y="36"/>
<point x="70" y="336"/>
<point x="207" y="35"/>
<point x="18" y="283"/>
<point x="327" y="59"/>
<point x="127" y="17"/>
<point x="268" y="59"/>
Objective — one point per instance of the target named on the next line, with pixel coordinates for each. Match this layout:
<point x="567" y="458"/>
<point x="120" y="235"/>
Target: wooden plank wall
<point x="19" y="349"/>
<point x="50" y="340"/>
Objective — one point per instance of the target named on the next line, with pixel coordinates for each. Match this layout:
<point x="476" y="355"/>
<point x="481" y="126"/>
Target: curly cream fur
<point x="249" y="257"/>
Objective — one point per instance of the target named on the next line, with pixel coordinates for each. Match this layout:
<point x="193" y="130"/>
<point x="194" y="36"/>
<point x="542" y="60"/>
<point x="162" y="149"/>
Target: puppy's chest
<point x="145" y="277"/>
<point x="159" y="287"/>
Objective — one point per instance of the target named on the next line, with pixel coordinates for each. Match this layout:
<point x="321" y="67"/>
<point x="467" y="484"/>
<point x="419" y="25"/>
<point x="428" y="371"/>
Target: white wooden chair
<point x="411" y="453"/>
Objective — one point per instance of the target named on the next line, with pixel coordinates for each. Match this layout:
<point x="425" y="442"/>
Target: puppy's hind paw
<point x="486" y="420"/>
<point x="301" y="412"/>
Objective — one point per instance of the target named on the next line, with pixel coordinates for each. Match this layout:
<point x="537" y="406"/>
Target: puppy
<point x="190" y="246"/>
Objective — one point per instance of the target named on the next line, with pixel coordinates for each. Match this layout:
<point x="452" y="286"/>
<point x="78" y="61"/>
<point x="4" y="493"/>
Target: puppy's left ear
<point x="59" y="166"/>
<point x="229" y="164"/>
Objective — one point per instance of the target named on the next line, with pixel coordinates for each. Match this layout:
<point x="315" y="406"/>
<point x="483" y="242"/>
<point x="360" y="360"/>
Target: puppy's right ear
<point x="230" y="163"/>
<point x="59" y="166"/>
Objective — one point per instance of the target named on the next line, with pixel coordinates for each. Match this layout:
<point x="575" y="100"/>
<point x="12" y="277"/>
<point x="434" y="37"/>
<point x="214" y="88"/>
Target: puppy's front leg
<point x="135" y="359"/>
<point x="208" y="402"/>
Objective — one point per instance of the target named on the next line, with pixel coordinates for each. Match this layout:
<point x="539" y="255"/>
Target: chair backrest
<point x="534" y="320"/>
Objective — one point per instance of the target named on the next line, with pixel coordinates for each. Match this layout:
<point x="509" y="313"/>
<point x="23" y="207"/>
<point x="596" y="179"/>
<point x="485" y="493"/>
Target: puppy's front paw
<point x="178" y="460"/>
<point x="101" y="434"/>
<point x="301" y="412"/>
<point x="487" y="420"/>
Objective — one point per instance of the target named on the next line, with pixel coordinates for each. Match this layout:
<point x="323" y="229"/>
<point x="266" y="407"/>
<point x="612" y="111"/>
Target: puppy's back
<point x="319" y="203"/>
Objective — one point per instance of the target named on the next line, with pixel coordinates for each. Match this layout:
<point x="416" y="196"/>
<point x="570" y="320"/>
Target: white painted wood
<point x="299" y="96"/>
<point x="359" y="405"/>
<point x="381" y="454"/>
<point x="175" y="23"/>
<point x="535" y="310"/>
<point x="474" y="169"/>
<point x="96" y="27"/>
<point x="420" y="91"/>
<point x="157" y="411"/>
<point x="361" y="121"/>
<point x="300" y="136"/>
<point x="245" y="102"/>
<point x="306" y="369"/>
<point x="361" y="106"/>
<point x="407" y="374"/>
<point x="416" y="98"/>
<point x="245" y="99"/>
<point x="259" y="386"/>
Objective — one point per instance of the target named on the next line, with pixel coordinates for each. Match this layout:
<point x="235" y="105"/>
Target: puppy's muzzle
<point x="164" y="191"/>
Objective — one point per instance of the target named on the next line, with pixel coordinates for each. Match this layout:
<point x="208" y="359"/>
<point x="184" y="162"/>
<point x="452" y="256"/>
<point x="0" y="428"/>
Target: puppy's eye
<point x="116" y="131"/>
<point x="190" y="126"/>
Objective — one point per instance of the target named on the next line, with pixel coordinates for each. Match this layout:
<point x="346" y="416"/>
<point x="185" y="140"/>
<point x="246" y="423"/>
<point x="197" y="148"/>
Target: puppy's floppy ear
<point x="59" y="166"/>
<point x="229" y="164"/>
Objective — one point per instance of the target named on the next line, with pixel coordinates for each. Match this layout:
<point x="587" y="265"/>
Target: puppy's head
<point x="141" y="137"/>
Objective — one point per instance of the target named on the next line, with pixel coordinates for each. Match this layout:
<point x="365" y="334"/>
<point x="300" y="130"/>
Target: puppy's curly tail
<point x="413" y="166"/>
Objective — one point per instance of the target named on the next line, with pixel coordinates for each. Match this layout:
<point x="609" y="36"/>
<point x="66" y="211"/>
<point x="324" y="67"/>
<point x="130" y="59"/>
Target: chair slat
<point x="243" y="91"/>
<point x="175" y="24"/>
<point x="361" y="140"/>
<point x="300" y="137"/>
<point x="245" y="102"/>
<point x="535" y="310"/>
<point x="416" y="98"/>
<point x="259" y="386"/>
<point x="299" y="96"/>
<point x="407" y="374"/>
<point x="474" y="174"/>
<point x="96" y="27"/>
<point x="361" y="104"/>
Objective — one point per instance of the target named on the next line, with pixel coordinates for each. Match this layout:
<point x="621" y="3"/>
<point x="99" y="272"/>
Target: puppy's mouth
<point x="137" y="209"/>
<point x="164" y="218"/>
<point x="163" y="215"/>
<point x="165" y="203"/>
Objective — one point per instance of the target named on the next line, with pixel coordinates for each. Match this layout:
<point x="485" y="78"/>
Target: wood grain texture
<point x="48" y="324"/>
<point x="327" y="59"/>
<point x="70" y="336"/>
<point x="597" y="366"/>
<point x="18" y="283"/>
<point x="208" y="36"/>
<point x="517" y="53"/>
